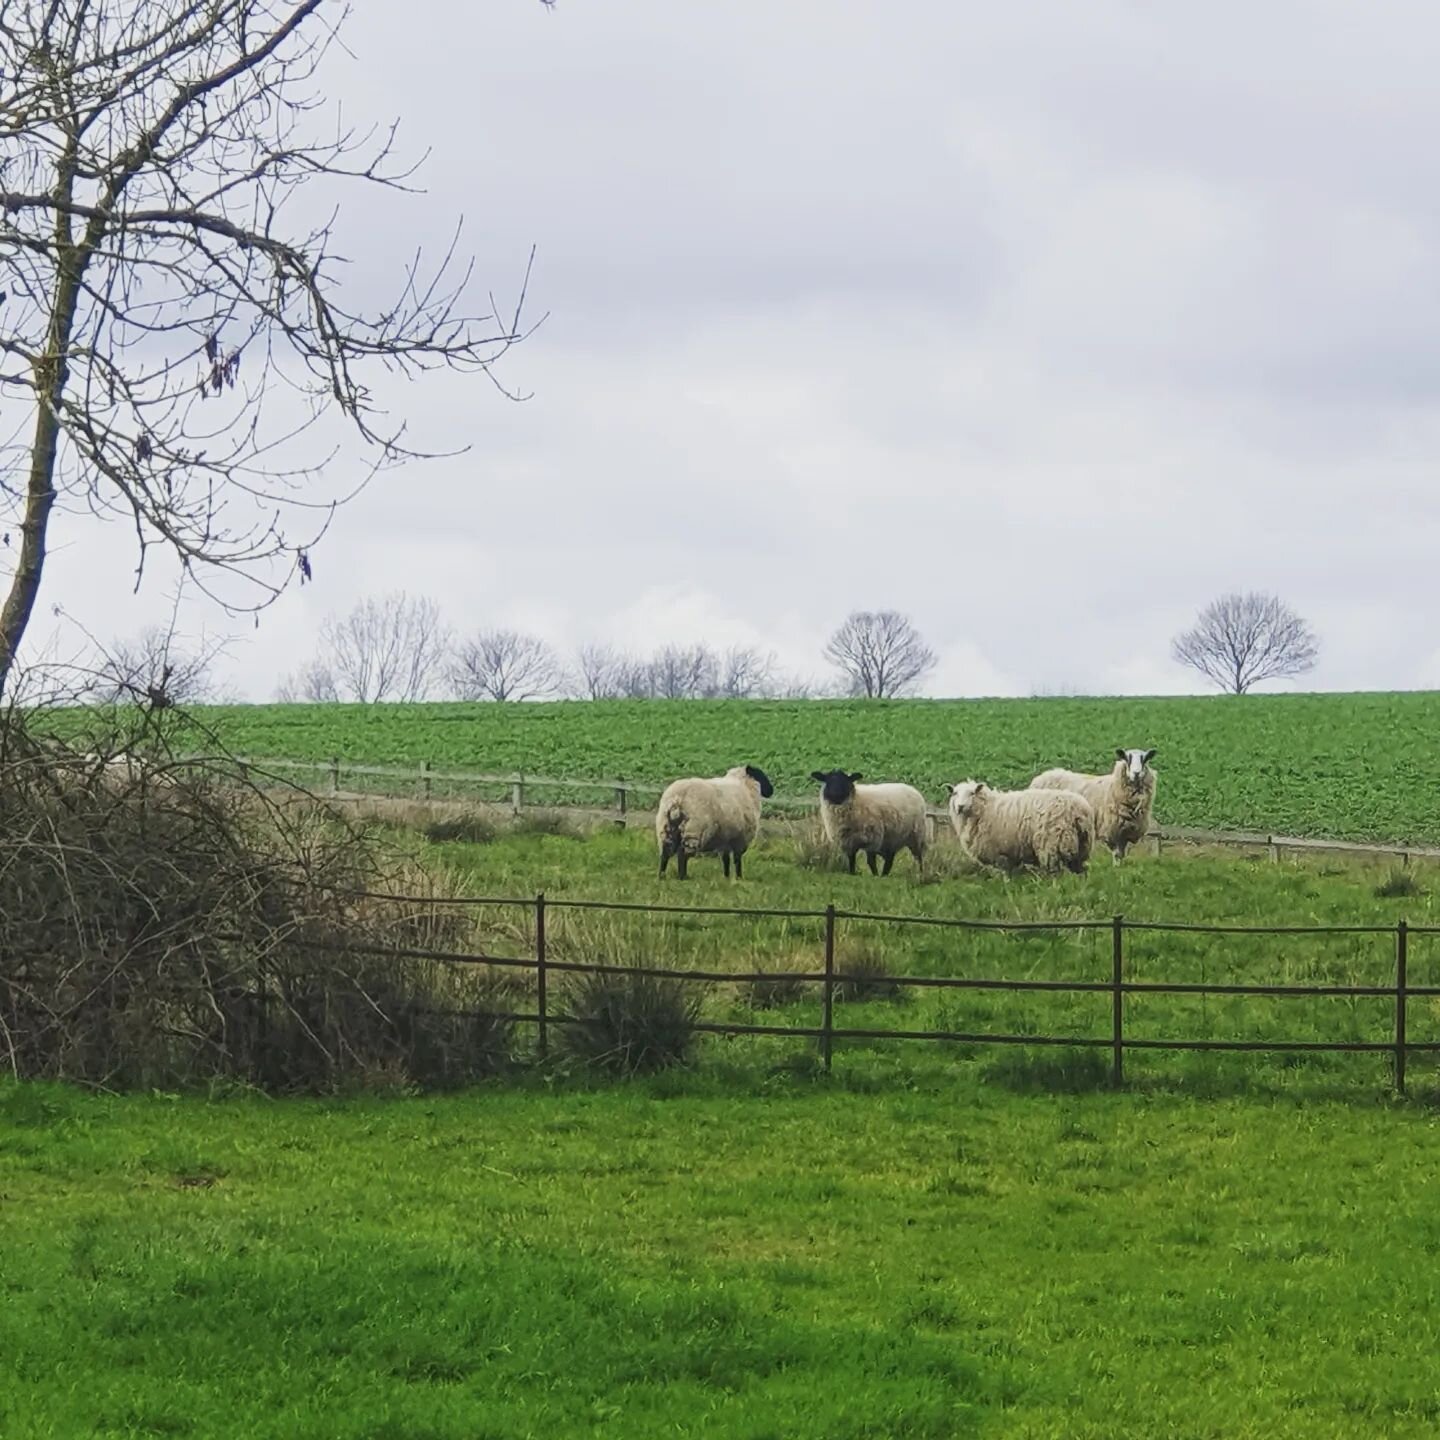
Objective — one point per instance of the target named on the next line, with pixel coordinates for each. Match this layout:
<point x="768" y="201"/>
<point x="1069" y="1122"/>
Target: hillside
<point x="1355" y="766"/>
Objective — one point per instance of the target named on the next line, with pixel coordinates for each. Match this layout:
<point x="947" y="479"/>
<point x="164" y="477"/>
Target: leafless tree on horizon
<point x="504" y="665"/>
<point x="390" y="647"/>
<point x="174" y="332"/>
<point x="880" y="653"/>
<point x="1240" y="641"/>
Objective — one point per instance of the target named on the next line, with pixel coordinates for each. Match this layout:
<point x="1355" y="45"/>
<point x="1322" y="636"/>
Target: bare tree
<point x="600" y="672"/>
<point x="158" y="669"/>
<point x="683" y="672"/>
<point x="391" y="648"/>
<point x="746" y="672"/>
<point x="173" y="324"/>
<point x="504" y="665"/>
<point x="879" y="653"/>
<point x="635" y="678"/>
<point x="1241" y="640"/>
<point x="314" y="682"/>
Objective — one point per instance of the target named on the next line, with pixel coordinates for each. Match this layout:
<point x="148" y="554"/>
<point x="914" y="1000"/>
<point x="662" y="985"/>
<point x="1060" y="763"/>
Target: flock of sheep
<point x="1053" y="825"/>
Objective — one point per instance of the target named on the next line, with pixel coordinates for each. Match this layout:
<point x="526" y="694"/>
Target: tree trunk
<point x="52" y="371"/>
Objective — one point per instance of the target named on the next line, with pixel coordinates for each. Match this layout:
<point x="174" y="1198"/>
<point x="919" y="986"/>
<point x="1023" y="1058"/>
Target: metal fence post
<point x="827" y="1023"/>
<point x="1402" y="963"/>
<point x="1117" y="1001"/>
<point x="540" y="975"/>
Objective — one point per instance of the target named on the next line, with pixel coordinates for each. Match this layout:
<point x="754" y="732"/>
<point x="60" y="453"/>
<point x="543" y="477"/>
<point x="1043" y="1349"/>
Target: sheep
<point x="1010" y="828"/>
<point x="878" y="819"/>
<point x="1122" y="799"/>
<point x="703" y="817"/>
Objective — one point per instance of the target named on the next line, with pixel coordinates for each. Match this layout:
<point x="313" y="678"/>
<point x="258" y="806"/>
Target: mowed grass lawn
<point x="771" y="1256"/>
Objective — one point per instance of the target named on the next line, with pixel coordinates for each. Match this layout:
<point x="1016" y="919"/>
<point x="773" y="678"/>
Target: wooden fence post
<point x="334" y="774"/>
<point x="540" y="976"/>
<point x="1117" y="1001"/>
<point x="1273" y="848"/>
<point x="517" y="794"/>
<point x="827" y="1023"/>
<point x="1402" y="965"/>
<point x="425" y="782"/>
<point x="620" y="794"/>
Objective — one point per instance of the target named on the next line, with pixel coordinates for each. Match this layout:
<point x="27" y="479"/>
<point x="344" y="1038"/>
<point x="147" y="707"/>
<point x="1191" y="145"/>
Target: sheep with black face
<point x="718" y="816"/>
<point x="1122" y="799"/>
<point x="880" y="820"/>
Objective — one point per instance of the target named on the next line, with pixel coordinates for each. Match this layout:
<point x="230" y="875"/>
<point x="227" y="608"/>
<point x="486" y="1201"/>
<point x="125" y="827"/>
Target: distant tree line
<point x="398" y="648"/>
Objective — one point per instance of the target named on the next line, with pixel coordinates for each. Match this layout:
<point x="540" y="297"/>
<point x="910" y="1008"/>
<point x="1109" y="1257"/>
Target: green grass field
<point x="791" y="872"/>
<point x="932" y="1241"/>
<point x="1362" y="766"/>
<point x="771" y="1257"/>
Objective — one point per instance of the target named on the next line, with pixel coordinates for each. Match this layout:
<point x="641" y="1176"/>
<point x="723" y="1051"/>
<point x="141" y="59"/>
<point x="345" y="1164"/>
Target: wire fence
<point x="1119" y="984"/>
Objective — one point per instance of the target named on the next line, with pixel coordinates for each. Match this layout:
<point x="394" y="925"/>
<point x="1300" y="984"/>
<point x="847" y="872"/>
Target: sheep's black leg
<point x="870" y="860"/>
<point x="682" y="865"/>
<point x="889" y="861"/>
<point x="737" y="865"/>
<point x="851" y="858"/>
<point x="664" y="861"/>
<point x="725" y="861"/>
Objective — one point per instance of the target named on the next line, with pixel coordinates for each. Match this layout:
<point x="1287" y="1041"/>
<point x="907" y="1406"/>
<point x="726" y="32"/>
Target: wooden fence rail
<point x="1400" y="1047"/>
<point x="420" y="782"/>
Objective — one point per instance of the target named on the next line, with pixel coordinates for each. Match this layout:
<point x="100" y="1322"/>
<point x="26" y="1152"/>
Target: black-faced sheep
<point x="710" y="817"/>
<point x="881" y="820"/>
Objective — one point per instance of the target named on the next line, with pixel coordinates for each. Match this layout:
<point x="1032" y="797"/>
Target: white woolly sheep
<point x="881" y="820"/>
<point x="1121" y="799"/>
<point x="1010" y="828"/>
<point x="708" y="817"/>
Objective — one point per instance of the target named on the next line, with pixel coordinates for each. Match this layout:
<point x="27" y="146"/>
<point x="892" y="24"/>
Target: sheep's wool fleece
<point x="877" y="819"/>
<point x="1122" y="810"/>
<point x="712" y="815"/>
<point x="1045" y="828"/>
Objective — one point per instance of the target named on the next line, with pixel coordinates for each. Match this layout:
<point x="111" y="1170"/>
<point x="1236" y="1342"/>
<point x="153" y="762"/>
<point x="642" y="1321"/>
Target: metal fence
<point x="1116" y="985"/>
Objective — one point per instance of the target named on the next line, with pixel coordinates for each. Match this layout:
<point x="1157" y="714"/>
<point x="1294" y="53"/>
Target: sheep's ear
<point x="1149" y="756"/>
<point x="950" y="789"/>
<point x="1120" y="754"/>
<point x="819" y="776"/>
<point x="856" y="776"/>
<point x="980" y="785"/>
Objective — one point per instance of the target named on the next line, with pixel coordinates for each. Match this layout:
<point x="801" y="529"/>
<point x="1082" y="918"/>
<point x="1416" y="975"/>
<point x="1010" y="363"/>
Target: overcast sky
<point x="1043" y="322"/>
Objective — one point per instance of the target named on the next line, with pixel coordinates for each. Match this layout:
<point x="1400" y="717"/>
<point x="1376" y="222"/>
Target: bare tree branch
<point x="1241" y="640"/>
<point x="158" y="669"/>
<point x="879" y="653"/>
<point x="175" y="328"/>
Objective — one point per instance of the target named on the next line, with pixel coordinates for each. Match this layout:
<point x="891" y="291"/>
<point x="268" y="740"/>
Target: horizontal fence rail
<point x="829" y="976"/>
<point x="421" y="781"/>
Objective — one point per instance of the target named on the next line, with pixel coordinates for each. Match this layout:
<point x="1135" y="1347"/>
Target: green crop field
<point x="700" y="1257"/>
<point x="1363" y="766"/>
